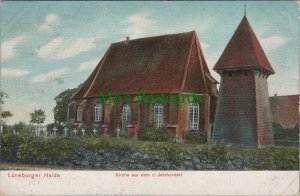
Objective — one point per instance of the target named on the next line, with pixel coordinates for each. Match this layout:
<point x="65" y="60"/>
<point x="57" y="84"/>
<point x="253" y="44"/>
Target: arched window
<point x="194" y="116"/>
<point x="126" y="116"/>
<point x="98" y="112"/>
<point x="158" y="115"/>
<point x="79" y="113"/>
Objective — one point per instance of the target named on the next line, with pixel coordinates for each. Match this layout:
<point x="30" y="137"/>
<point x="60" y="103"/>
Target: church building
<point x="168" y="64"/>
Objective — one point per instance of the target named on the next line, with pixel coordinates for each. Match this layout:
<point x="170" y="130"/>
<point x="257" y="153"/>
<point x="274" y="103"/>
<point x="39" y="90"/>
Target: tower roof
<point x="243" y="51"/>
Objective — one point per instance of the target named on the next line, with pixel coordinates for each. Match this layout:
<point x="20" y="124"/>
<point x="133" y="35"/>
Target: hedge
<point x="59" y="151"/>
<point x="171" y="152"/>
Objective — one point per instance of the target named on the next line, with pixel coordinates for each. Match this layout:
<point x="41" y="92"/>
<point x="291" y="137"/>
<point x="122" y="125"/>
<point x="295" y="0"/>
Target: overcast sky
<point x="48" y="47"/>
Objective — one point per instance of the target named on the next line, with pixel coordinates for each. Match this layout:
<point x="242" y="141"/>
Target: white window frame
<point x="98" y="112"/>
<point x="126" y="116"/>
<point x="194" y="116"/>
<point x="158" y="115"/>
<point x="79" y="114"/>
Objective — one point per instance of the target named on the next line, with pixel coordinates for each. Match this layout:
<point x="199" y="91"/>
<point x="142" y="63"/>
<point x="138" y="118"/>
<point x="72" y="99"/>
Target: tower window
<point x="98" y="112"/>
<point x="158" y="115"/>
<point x="194" y="116"/>
<point x="126" y="116"/>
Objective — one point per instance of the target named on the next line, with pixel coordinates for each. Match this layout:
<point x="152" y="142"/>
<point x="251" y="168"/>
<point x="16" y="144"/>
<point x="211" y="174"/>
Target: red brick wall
<point x="172" y="115"/>
<point x="144" y="114"/>
<point x="184" y="120"/>
<point x="285" y="110"/>
<point x="206" y="114"/>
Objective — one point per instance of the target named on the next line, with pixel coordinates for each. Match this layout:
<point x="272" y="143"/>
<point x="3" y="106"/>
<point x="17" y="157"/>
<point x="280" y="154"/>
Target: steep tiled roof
<point x="152" y="64"/>
<point x="243" y="51"/>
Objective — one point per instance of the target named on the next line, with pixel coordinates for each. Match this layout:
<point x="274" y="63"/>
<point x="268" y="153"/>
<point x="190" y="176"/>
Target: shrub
<point x="31" y="150"/>
<point x="286" y="136"/>
<point x="195" y="137"/>
<point x="59" y="150"/>
<point x="273" y="159"/>
<point x="48" y="150"/>
<point x="106" y="143"/>
<point x="123" y="134"/>
<point x="9" y="144"/>
<point x="153" y="134"/>
<point x="22" y="128"/>
<point x="286" y="158"/>
<point x="169" y="151"/>
<point x="216" y="152"/>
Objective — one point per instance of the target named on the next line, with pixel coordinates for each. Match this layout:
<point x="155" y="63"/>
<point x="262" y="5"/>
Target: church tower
<point x="243" y="113"/>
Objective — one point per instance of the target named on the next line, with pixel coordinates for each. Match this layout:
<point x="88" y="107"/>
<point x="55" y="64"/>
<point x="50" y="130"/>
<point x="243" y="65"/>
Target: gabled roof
<point x="243" y="51"/>
<point x="153" y="64"/>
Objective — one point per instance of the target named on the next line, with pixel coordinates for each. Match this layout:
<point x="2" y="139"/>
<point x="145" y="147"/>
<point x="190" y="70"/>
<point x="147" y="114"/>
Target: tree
<point x="2" y="96"/>
<point x="37" y="117"/>
<point x="21" y="127"/>
<point x="6" y="114"/>
<point x="62" y="102"/>
<point x="3" y="114"/>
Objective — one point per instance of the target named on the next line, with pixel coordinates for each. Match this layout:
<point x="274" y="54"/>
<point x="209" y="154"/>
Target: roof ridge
<point x="97" y="73"/>
<point x="155" y="36"/>
<point x="250" y="31"/>
<point x="254" y="40"/>
<point x="202" y="66"/>
<point x="187" y="60"/>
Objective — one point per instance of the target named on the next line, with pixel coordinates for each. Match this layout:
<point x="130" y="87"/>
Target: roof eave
<point x="244" y="68"/>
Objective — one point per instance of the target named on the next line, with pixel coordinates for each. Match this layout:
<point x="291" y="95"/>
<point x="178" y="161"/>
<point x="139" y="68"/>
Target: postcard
<point x="149" y="98"/>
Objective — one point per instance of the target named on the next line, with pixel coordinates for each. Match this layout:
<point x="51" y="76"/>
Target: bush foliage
<point x="48" y="150"/>
<point x="54" y="150"/>
<point x="60" y="150"/>
<point x="195" y="137"/>
<point x="106" y="143"/>
<point x="149" y="133"/>
<point x="216" y="152"/>
<point x="169" y="151"/>
<point x="286" y="136"/>
<point x="273" y="159"/>
<point x="9" y="145"/>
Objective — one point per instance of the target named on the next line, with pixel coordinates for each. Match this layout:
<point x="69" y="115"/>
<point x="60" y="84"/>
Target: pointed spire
<point x="243" y="51"/>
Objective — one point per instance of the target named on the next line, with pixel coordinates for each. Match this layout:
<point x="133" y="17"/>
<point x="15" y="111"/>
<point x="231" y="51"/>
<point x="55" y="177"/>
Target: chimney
<point x="127" y="39"/>
<point x="275" y="95"/>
